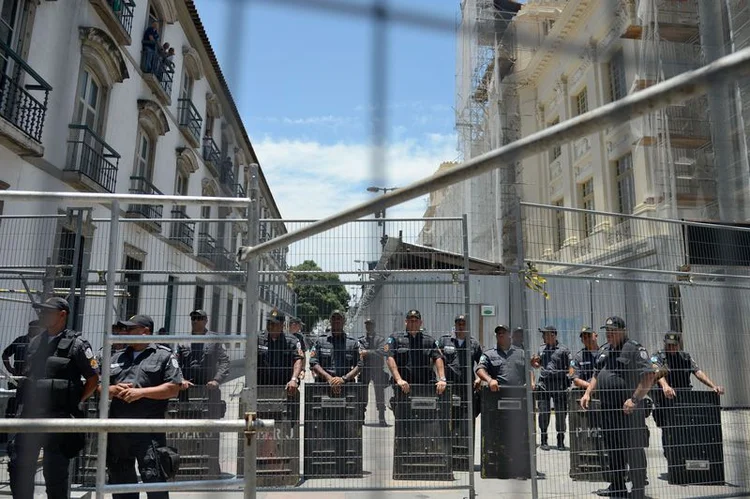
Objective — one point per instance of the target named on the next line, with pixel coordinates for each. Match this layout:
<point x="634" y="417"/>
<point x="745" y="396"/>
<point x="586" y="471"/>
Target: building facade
<point x="94" y="100"/>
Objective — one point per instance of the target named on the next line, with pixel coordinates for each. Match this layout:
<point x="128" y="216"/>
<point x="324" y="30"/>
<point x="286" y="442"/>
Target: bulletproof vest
<point x="338" y="362"/>
<point x="201" y="363"/>
<point x="415" y="366"/>
<point x="58" y="388"/>
<point x="680" y="369"/>
<point x="274" y="365"/>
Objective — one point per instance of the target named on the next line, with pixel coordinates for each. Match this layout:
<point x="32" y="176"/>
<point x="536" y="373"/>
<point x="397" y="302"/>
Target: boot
<point x="560" y="442"/>
<point x="544" y="445"/>
<point x="381" y="418"/>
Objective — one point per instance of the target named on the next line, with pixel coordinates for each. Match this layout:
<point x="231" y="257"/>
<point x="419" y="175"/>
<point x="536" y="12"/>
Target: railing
<point x="206" y="246"/>
<point x="266" y="294"/>
<point x="226" y="176"/>
<point x="211" y="154"/>
<point x="190" y="118"/>
<point x="153" y="62"/>
<point x="238" y="191"/>
<point x="17" y="105"/>
<point x="182" y="232"/>
<point x="125" y="13"/>
<point x="90" y="156"/>
<point x="141" y="185"/>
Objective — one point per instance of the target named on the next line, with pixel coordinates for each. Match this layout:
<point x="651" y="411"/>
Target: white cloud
<point x="328" y="120"/>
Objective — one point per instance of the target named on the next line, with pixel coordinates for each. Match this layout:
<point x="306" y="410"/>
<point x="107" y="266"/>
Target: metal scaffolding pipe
<point x="667" y="93"/>
<point x="86" y="425"/>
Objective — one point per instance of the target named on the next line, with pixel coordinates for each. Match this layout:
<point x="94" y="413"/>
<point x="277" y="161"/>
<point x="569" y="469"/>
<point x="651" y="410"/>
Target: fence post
<point x="530" y="419"/>
<point x="251" y="337"/>
<point x="109" y="306"/>
<point x="469" y="354"/>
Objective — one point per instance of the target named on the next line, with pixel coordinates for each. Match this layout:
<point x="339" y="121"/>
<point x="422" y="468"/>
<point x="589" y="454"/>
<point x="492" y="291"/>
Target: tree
<point x="317" y="301"/>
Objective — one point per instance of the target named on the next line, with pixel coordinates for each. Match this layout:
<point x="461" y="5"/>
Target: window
<point x="587" y="203"/>
<point x="144" y="156"/>
<point x="205" y="214"/>
<point x="209" y="124"/>
<point x="181" y="183"/>
<point x="89" y="102"/>
<point x="186" y="89"/>
<point x="228" y="318"/>
<point x="216" y="307"/>
<point x="170" y="309"/>
<point x="199" y="298"/>
<point x="547" y="25"/>
<point x="582" y="102"/>
<point x="559" y="226"/>
<point x="625" y="184"/>
<point x="556" y="151"/>
<point x="133" y="285"/>
<point x="11" y="28"/>
<point x="240" y="314"/>
<point x="617" y="83"/>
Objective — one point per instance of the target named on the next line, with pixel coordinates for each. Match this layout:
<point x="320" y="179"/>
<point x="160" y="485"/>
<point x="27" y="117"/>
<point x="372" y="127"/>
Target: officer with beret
<point x="335" y="358"/>
<point x="56" y="360"/>
<point x="371" y="348"/>
<point x="411" y="355"/>
<point x="503" y="365"/>
<point x="623" y="376"/>
<point x="280" y="358"/>
<point x="582" y="366"/>
<point x="144" y="376"/>
<point x="554" y="360"/>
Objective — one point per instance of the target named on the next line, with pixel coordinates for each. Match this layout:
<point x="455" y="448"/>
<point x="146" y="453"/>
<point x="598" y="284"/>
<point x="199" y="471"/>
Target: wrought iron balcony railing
<point x="124" y="14"/>
<point x="154" y="62"/>
<point x="211" y="155"/>
<point x="182" y="232"/>
<point x="190" y="119"/>
<point x="90" y="156"/>
<point x="141" y="185"/>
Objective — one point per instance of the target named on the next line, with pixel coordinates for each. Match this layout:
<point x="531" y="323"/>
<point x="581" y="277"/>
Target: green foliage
<point x="316" y="301"/>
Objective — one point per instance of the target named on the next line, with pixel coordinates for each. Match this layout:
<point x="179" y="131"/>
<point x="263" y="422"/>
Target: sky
<point x="302" y="81"/>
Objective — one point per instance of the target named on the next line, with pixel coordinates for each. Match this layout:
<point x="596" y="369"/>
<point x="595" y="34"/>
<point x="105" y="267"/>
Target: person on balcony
<point x="150" y="45"/>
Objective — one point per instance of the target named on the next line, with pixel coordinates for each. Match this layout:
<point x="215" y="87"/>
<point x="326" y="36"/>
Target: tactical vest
<point x="326" y="353"/>
<point x="59" y="390"/>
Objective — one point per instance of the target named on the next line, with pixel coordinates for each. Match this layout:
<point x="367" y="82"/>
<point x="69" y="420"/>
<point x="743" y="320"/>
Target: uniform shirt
<point x="204" y="362"/>
<point x="583" y="364"/>
<point x="618" y="371"/>
<point x="153" y="366"/>
<point x="454" y="355"/>
<point x="414" y="356"/>
<point x="555" y="361"/>
<point x="17" y="350"/>
<point x="276" y="358"/>
<point x="42" y="346"/>
<point x="507" y="367"/>
<point x="337" y="354"/>
<point x="681" y="365"/>
<point x="374" y="346"/>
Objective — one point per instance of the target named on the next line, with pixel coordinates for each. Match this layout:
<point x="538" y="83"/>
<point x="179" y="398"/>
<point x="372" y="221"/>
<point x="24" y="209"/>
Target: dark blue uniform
<point x="414" y="356"/>
<point x="454" y="356"/>
<point x="508" y="367"/>
<point x="583" y="364"/>
<point x="552" y="385"/>
<point x="372" y="370"/>
<point x="276" y="358"/>
<point x="54" y="367"/>
<point x="151" y="367"/>
<point x="337" y="354"/>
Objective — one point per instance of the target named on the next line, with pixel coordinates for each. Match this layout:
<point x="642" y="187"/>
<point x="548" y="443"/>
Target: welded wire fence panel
<point x="681" y="301"/>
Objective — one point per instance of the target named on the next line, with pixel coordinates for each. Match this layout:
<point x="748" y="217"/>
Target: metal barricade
<point x="278" y="451"/>
<point x="505" y="448"/>
<point x="333" y="431"/>
<point x="423" y="445"/>
<point x="460" y="421"/>
<point x="588" y="460"/>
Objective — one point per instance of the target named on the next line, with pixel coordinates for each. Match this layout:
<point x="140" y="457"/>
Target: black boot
<point x="381" y="418"/>
<point x="544" y="445"/>
<point x="560" y="442"/>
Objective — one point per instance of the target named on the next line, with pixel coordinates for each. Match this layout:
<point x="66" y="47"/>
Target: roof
<point x="399" y="255"/>
<point x="193" y="10"/>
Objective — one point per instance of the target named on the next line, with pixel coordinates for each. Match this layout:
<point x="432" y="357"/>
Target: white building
<point x="85" y="106"/>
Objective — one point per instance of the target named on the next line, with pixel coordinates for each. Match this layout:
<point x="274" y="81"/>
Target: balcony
<point x="159" y="75"/>
<point x="206" y="248"/>
<point x="211" y="155"/>
<point x="119" y="22"/>
<point x="92" y="163"/>
<point x="190" y="121"/>
<point x="23" y="114"/>
<point x="238" y="191"/>
<point x="182" y="232"/>
<point x="226" y="178"/>
<point x="141" y="185"/>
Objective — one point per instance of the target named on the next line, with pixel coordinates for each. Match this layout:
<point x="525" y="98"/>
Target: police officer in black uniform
<point x="453" y="347"/>
<point x="295" y="328"/>
<point x="56" y="360"/>
<point x="582" y="366"/>
<point x="371" y="348"/>
<point x="143" y="379"/>
<point x="554" y="360"/>
<point x="411" y="356"/>
<point x="17" y="350"/>
<point x="623" y="376"/>
<point x="205" y="365"/>
<point x="503" y="365"/>
<point x="334" y="358"/>
<point x="280" y="358"/>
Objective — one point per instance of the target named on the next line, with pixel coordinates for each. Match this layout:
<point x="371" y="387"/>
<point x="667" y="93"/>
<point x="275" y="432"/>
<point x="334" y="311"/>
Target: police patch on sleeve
<point x="482" y="359"/>
<point x="644" y="354"/>
<point x="94" y="364"/>
<point x="572" y="363"/>
<point x="175" y="364"/>
<point x="89" y="353"/>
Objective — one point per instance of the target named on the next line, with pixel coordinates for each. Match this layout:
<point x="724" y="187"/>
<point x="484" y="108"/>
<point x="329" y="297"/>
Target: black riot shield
<point x="460" y="421"/>
<point x="277" y="450"/>
<point x="423" y="445"/>
<point x="505" y="436"/>
<point x="193" y="447"/>
<point x="333" y="431"/>
<point x="588" y="459"/>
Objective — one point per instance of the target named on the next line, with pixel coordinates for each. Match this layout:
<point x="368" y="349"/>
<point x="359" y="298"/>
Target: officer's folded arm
<point x="165" y="391"/>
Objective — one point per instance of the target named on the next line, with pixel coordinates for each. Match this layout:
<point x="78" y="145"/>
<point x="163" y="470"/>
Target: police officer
<point x="334" y="358"/>
<point x="503" y="365"/>
<point x="371" y="349"/>
<point x="295" y="328"/>
<point x="582" y="366"/>
<point x="554" y="359"/>
<point x="453" y="347"/>
<point x="205" y="364"/>
<point x="517" y="338"/>
<point x="17" y="350"/>
<point x="280" y="357"/>
<point x="143" y="379"/>
<point x="56" y="360"/>
<point x="679" y="366"/>
<point x="411" y="356"/>
<point x="623" y="375"/>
